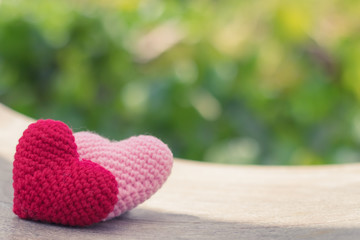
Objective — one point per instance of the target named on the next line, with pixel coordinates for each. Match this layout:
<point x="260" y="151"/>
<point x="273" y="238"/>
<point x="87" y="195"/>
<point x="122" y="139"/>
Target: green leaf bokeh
<point x="243" y="82"/>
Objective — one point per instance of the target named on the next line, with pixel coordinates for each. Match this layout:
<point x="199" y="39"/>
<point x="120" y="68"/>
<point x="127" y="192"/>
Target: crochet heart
<point x="52" y="185"/>
<point x="140" y="165"/>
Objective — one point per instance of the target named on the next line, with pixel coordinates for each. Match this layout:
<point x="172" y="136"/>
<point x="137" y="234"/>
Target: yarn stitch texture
<point x="52" y="185"/>
<point x="140" y="164"/>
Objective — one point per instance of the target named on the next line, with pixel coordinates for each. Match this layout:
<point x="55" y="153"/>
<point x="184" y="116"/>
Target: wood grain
<point x="213" y="201"/>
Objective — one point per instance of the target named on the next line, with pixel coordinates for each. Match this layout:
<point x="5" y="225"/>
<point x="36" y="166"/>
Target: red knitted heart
<point x="52" y="185"/>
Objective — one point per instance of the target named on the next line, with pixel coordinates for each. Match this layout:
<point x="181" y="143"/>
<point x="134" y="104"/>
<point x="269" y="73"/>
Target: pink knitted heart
<point x="140" y="165"/>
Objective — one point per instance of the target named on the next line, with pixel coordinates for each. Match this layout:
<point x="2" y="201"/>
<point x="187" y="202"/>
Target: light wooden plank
<point x="12" y="125"/>
<point x="213" y="201"/>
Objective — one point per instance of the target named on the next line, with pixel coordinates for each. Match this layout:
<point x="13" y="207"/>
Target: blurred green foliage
<point x="264" y="82"/>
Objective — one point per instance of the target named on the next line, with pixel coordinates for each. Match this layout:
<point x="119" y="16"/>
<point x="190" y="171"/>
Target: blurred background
<point x="232" y="81"/>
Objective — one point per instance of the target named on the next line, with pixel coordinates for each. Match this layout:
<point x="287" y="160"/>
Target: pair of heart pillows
<point x="82" y="178"/>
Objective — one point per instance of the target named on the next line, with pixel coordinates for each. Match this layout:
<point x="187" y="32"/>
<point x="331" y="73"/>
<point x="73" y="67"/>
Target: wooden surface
<point x="210" y="201"/>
